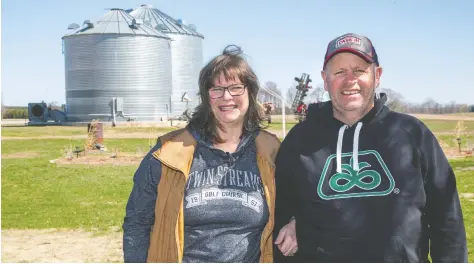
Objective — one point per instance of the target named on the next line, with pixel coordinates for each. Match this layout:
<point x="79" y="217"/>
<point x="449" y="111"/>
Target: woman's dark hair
<point x="231" y="65"/>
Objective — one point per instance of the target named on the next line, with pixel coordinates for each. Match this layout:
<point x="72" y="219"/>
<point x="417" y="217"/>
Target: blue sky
<point x="426" y="47"/>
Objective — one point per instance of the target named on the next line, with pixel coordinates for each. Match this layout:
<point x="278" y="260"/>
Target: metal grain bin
<point x="117" y="57"/>
<point x="186" y="53"/>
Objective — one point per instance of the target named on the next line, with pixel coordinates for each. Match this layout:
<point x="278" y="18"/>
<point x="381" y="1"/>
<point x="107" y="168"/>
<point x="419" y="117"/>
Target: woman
<point x="206" y="193"/>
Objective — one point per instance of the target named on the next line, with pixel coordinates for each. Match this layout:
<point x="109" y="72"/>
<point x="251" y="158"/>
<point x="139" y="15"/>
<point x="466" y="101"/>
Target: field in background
<point x="49" y="207"/>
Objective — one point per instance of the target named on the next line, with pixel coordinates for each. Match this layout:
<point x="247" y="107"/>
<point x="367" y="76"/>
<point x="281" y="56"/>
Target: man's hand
<point x="286" y="239"/>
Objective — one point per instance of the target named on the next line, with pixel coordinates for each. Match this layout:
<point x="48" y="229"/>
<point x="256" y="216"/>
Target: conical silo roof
<point x="117" y="21"/>
<point x="163" y="22"/>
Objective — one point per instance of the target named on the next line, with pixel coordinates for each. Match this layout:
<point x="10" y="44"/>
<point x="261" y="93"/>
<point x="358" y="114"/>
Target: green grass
<point x="465" y="184"/>
<point x="467" y="140"/>
<point x="275" y="126"/>
<point x="38" y="194"/>
<point x="32" y="131"/>
<point x="446" y="125"/>
<point x="41" y="195"/>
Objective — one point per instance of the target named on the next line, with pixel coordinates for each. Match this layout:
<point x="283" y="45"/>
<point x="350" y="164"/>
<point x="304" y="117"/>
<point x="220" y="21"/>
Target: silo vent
<point x="154" y="17"/>
<point x="192" y="27"/>
<point x="88" y="24"/>
<point x="73" y="26"/>
<point x="161" y="27"/>
<point x="137" y="22"/>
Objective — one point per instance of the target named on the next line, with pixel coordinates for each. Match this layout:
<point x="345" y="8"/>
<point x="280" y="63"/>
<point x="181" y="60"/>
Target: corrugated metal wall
<point x="186" y="54"/>
<point x="101" y="66"/>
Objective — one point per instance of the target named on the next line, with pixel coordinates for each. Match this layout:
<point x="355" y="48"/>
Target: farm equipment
<point x="298" y="106"/>
<point x="267" y="110"/>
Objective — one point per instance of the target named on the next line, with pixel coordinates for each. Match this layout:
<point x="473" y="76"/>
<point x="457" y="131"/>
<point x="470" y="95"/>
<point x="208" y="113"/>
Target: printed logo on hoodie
<point x="370" y="178"/>
<point x="222" y="182"/>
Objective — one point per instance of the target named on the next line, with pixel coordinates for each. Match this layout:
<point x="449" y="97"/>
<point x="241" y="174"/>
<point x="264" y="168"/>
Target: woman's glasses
<point x="234" y="90"/>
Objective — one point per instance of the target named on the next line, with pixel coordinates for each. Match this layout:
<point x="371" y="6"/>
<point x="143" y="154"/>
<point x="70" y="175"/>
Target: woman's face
<point x="229" y="100"/>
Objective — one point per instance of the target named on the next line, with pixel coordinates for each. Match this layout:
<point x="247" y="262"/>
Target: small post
<point x="459" y="143"/>
<point x="283" y="115"/>
<point x="114" y="122"/>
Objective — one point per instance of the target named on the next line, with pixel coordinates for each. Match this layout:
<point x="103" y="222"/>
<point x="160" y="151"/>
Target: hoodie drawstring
<point x="355" y="147"/>
<point x="339" y="148"/>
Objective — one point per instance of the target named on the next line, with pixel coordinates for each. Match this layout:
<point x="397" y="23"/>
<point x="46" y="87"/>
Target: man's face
<point x="351" y="82"/>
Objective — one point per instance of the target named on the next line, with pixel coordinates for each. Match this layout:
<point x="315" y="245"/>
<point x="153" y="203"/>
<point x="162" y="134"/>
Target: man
<point x="364" y="184"/>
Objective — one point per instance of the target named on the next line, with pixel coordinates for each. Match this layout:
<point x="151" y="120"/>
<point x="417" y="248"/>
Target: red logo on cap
<point x="348" y="40"/>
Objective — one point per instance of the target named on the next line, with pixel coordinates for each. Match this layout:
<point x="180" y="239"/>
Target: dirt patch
<point x="20" y="155"/>
<point x="467" y="195"/>
<point x="451" y="152"/>
<point x="53" y="245"/>
<point x="465" y="169"/>
<point x="443" y="117"/>
<point x="448" y="151"/>
<point x="122" y="159"/>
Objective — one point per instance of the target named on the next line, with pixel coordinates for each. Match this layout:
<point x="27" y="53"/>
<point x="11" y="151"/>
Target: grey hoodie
<point x="225" y="210"/>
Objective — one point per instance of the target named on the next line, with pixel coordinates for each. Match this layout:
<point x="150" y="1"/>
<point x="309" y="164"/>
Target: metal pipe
<point x="113" y="112"/>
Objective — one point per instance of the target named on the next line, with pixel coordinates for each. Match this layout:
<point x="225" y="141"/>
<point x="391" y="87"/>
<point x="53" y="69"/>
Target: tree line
<point x="395" y="101"/>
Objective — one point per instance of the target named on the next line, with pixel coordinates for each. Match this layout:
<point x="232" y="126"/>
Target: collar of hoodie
<point x="245" y="141"/>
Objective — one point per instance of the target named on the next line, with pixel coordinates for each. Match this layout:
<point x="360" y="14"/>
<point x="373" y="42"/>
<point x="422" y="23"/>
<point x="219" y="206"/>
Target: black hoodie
<point x="379" y="191"/>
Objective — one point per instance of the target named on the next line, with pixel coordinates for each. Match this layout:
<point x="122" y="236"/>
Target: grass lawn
<point x="447" y="125"/>
<point x="465" y="185"/>
<point x="30" y="131"/>
<point x="38" y="194"/>
<point x="467" y="140"/>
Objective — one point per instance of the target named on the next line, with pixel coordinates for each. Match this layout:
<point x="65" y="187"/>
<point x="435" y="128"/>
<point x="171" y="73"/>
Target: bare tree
<point x="272" y="86"/>
<point x="317" y="95"/>
<point x="290" y="94"/>
<point x="3" y="110"/>
<point x="265" y="96"/>
<point x="3" y="107"/>
<point x="394" y="100"/>
<point x="451" y="107"/>
<point x="429" y="106"/>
